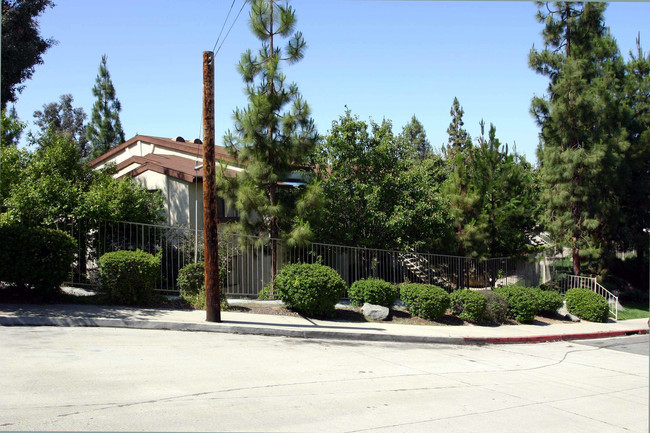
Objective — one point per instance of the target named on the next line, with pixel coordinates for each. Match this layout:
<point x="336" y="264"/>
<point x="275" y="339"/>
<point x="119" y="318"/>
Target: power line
<point x="223" y="25"/>
<point x="231" y="26"/>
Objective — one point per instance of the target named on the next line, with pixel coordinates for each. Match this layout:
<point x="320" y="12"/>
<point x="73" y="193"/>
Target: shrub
<point x="587" y="305"/>
<point x="35" y="257"/>
<point x="313" y="289"/>
<point x="496" y="310"/>
<point x="128" y="277"/>
<point x="373" y="291"/>
<point x="549" y="301"/>
<point x="468" y="305"/>
<point x="191" y="285"/>
<point x="425" y="300"/>
<point x="523" y="302"/>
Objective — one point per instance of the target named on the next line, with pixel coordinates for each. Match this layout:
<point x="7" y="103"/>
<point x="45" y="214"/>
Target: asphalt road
<point x="638" y="344"/>
<point x="143" y="380"/>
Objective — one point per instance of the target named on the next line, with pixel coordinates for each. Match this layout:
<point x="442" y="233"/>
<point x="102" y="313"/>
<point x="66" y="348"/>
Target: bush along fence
<point x="247" y="260"/>
<point x="568" y="282"/>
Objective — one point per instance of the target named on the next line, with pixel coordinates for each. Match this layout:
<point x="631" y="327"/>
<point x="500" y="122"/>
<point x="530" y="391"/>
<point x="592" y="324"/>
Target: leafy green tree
<point x="377" y="193"/>
<point x="55" y="187"/>
<point x="22" y="45"/>
<point x="413" y="133"/>
<point x="274" y="134"/>
<point x="104" y="131"/>
<point x="11" y="128"/>
<point x="459" y="140"/>
<point x="63" y="118"/>
<point x="581" y="137"/>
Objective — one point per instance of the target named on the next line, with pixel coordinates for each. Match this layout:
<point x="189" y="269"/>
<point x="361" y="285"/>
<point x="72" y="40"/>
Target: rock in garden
<point x="374" y="312"/>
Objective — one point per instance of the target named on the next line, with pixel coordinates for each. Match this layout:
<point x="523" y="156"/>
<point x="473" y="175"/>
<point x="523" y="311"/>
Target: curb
<point x="293" y="333"/>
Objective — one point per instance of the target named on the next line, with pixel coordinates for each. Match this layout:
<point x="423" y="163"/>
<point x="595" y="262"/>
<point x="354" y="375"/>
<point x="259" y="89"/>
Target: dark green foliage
<point x="35" y="257"/>
<point x="129" y="277"/>
<point x="22" y="45"/>
<point x="104" y="131"/>
<point x="312" y="289"/>
<point x="373" y="291"/>
<point x="425" y="300"/>
<point x="459" y="140"/>
<point x="493" y="195"/>
<point x="523" y="302"/>
<point x="549" y="301"/>
<point x="64" y="119"/>
<point x="414" y="136"/>
<point x="587" y="305"/>
<point x="191" y="284"/>
<point x="13" y="161"/>
<point x="55" y="187"/>
<point x="496" y="310"/>
<point x="377" y="193"/>
<point x="11" y="128"/>
<point x="469" y="305"/>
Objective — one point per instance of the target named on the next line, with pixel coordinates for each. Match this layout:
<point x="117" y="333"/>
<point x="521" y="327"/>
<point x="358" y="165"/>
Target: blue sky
<point x="383" y="59"/>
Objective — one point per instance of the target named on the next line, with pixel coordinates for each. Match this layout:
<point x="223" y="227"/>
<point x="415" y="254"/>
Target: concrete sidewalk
<point x="291" y="326"/>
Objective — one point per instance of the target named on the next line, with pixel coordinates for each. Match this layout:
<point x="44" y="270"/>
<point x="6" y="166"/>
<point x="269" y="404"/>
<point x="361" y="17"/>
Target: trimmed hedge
<point x="549" y="301"/>
<point x="313" y="289"/>
<point x="191" y="285"/>
<point x="425" y="300"/>
<point x="523" y="302"/>
<point x="496" y="310"/>
<point x="373" y="291"/>
<point x="129" y="277"/>
<point x="35" y="256"/>
<point x="468" y="305"/>
<point x="587" y="305"/>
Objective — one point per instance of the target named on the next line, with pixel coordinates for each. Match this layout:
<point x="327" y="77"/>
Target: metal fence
<point x="247" y="259"/>
<point x="574" y="281"/>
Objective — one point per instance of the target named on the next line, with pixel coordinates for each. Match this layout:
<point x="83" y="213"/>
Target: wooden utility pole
<point x="212" y="303"/>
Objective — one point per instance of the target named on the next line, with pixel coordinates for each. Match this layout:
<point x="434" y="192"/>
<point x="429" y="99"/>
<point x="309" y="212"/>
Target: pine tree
<point x="459" y="140"/>
<point x="274" y="135"/>
<point x="415" y="136"/>
<point x="580" y="141"/>
<point x="104" y="131"/>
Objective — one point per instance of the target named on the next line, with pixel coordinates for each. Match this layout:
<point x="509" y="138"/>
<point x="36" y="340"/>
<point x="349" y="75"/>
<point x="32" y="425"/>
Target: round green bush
<point x="496" y="310"/>
<point x="468" y="305"/>
<point x="523" y="302"/>
<point x="35" y="257"/>
<point x="191" y="285"/>
<point x="128" y="277"/>
<point x="313" y="289"/>
<point x="373" y="291"/>
<point x="587" y="305"/>
<point x="549" y="301"/>
<point x="425" y="300"/>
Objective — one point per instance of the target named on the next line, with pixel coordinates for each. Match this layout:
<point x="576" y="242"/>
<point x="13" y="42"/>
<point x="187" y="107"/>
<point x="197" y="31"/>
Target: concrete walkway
<point x="291" y="326"/>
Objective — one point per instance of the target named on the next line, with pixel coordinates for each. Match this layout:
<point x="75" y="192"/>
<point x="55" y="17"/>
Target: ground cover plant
<point x="312" y="289"/>
<point x="373" y="291"/>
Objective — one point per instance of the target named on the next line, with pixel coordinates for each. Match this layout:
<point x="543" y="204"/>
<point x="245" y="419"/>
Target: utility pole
<point x="211" y="245"/>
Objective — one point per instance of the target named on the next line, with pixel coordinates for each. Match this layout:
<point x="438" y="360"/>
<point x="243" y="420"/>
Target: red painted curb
<point x="548" y="338"/>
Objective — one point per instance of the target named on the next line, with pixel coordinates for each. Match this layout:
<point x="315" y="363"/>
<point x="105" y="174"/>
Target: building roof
<point x="181" y="165"/>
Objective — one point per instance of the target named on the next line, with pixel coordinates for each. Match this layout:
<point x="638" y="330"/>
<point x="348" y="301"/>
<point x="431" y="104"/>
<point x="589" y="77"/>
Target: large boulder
<point x="375" y="312"/>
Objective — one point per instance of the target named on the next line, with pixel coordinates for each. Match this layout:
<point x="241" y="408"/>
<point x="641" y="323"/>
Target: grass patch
<point x="634" y="310"/>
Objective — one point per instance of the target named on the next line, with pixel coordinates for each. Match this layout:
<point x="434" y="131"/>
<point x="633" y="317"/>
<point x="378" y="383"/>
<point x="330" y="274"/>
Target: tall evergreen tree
<point x="274" y="135"/>
<point x="63" y="118"/>
<point x="580" y="142"/>
<point x="459" y="140"/>
<point x="22" y="44"/>
<point x="415" y="136"/>
<point x="104" y="131"/>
